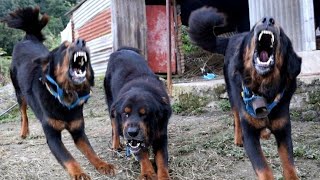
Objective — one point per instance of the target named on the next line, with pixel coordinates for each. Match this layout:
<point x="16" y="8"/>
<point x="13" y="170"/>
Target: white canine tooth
<point x="260" y="35"/>
<point x="85" y="58"/>
<point x="74" y="58"/>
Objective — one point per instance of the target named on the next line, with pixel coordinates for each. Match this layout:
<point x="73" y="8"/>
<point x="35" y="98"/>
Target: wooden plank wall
<point x="129" y="24"/>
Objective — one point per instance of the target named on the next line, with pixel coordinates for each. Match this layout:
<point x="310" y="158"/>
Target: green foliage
<point x="187" y="45"/>
<point x="56" y="9"/>
<point x="190" y="104"/>
<point x="224" y="105"/>
<point x="5" y="62"/>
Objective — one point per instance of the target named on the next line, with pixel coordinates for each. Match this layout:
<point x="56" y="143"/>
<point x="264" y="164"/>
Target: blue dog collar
<point x="248" y="97"/>
<point x="59" y="94"/>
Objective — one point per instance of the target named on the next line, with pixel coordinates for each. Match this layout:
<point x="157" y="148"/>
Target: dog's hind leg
<point x="24" y="119"/>
<point x="237" y="128"/>
<point x="115" y="135"/>
<point x="22" y="105"/>
<point x="76" y="128"/>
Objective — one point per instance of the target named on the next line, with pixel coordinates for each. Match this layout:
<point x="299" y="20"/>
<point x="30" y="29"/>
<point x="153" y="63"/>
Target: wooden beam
<point x="129" y="24"/>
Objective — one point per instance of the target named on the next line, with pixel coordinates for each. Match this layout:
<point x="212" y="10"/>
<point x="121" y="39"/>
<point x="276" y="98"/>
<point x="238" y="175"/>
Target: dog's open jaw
<point x="135" y="146"/>
<point x="264" y="52"/>
<point x="78" y="67"/>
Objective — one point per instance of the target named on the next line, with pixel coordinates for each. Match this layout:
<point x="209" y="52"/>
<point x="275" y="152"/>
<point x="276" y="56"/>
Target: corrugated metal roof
<point x="296" y="17"/>
<point x="88" y="10"/>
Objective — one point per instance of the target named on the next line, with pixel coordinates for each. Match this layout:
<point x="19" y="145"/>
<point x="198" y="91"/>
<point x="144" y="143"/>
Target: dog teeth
<point x="267" y="32"/>
<point x="136" y="146"/>
<point x="79" y="73"/>
<point x="80" y="54"/>
<point x="265" y="63"/>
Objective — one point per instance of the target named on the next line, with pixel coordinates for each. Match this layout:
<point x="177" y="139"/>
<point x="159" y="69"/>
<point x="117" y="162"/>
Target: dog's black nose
<point x="80" y="43"/>
<point x="133" y="131"/>
<point x="268" y="21"/>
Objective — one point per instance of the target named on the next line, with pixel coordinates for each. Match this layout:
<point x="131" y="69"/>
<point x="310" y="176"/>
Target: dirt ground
<point x="200" y="147"/>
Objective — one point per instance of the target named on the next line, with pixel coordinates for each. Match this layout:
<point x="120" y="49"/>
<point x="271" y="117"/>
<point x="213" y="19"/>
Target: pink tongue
<point x="264" y="56"/>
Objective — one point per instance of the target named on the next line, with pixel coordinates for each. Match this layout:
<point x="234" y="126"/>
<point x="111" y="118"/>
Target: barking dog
<point x="139" y="110"/>
<point x="55" y="85"/>
<point x="260" y="71"/>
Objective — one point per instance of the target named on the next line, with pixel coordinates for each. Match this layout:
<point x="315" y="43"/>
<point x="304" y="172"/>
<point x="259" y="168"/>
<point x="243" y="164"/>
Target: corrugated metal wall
<point x="66" y="34"/>
<point x="295" y="16"/>
<point x="92" y="22"/>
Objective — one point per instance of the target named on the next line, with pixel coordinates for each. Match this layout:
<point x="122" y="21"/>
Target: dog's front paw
<point x="105" y="168"/>
<point x="80" y="176"/>
<point x="148" y="176"/>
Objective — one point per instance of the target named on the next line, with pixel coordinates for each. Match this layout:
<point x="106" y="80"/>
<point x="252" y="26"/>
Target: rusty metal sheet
<point x="157" y="39"/>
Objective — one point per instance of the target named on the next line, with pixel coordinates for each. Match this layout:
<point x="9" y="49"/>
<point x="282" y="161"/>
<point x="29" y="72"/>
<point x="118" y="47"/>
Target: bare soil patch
<point x="200" y="147"/>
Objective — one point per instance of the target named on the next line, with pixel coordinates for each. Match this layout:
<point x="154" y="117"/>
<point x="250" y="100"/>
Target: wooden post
<point x="129" y="24"/>
<point x="169" y="78"/>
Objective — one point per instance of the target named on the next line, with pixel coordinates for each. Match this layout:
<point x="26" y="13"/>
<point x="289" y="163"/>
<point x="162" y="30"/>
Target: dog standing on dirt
<point x="139" y="110"/>
<point x="260" y="71"/>
<point x="55" y="85"/>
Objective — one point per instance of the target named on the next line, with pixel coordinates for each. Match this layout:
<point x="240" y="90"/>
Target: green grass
<point x="190" y="104"/>
<point x="14" y="115"/>
<point x="224" y="105"/>
<point x="5" y="62"/>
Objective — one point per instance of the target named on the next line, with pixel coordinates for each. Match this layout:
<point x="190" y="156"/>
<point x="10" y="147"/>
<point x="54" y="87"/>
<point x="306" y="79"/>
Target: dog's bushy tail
<point x="27" y="19"/>
<point x="201" y="25"/>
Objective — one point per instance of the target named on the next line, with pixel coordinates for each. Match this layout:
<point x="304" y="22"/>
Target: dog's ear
<point x="291" y="60"/>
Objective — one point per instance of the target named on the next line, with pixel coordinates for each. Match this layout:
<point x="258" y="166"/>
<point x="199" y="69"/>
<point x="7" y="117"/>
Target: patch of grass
<point x="224" y="105"/>
<point x="14" y="115"/>
<point x="5" y="62"/>
<point x="10" y="116"/>
<point x="310" y="151"/>
<point x="314" y="98"/>
<point x="190" y="104"/>
<point x="223" y="145"/>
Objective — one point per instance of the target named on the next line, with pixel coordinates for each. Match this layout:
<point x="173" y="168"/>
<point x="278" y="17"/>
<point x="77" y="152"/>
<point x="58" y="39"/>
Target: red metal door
<point x="157" y="39"/>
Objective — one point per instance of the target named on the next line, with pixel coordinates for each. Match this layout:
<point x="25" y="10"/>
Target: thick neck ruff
<point x="58" y="94"/>
<point x="252" y="101"/>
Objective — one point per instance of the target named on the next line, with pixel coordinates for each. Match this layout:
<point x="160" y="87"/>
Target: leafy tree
<point x="56" y="9"/>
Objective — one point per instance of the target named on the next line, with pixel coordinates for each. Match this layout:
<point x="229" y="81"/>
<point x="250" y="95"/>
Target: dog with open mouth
<point x="260" y="70"/>
<point x="139" y="110"/>
<point x="55" y="85"/>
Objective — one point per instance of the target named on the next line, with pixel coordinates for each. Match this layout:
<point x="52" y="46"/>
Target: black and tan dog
<point x="139" y="109"/>
<point x="55" y="85"/>
<point x="260" y="72"/>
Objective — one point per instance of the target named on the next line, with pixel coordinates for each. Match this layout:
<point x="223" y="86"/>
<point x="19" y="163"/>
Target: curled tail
<point x="27" y="19"/>
<point x="201" y="25"/>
